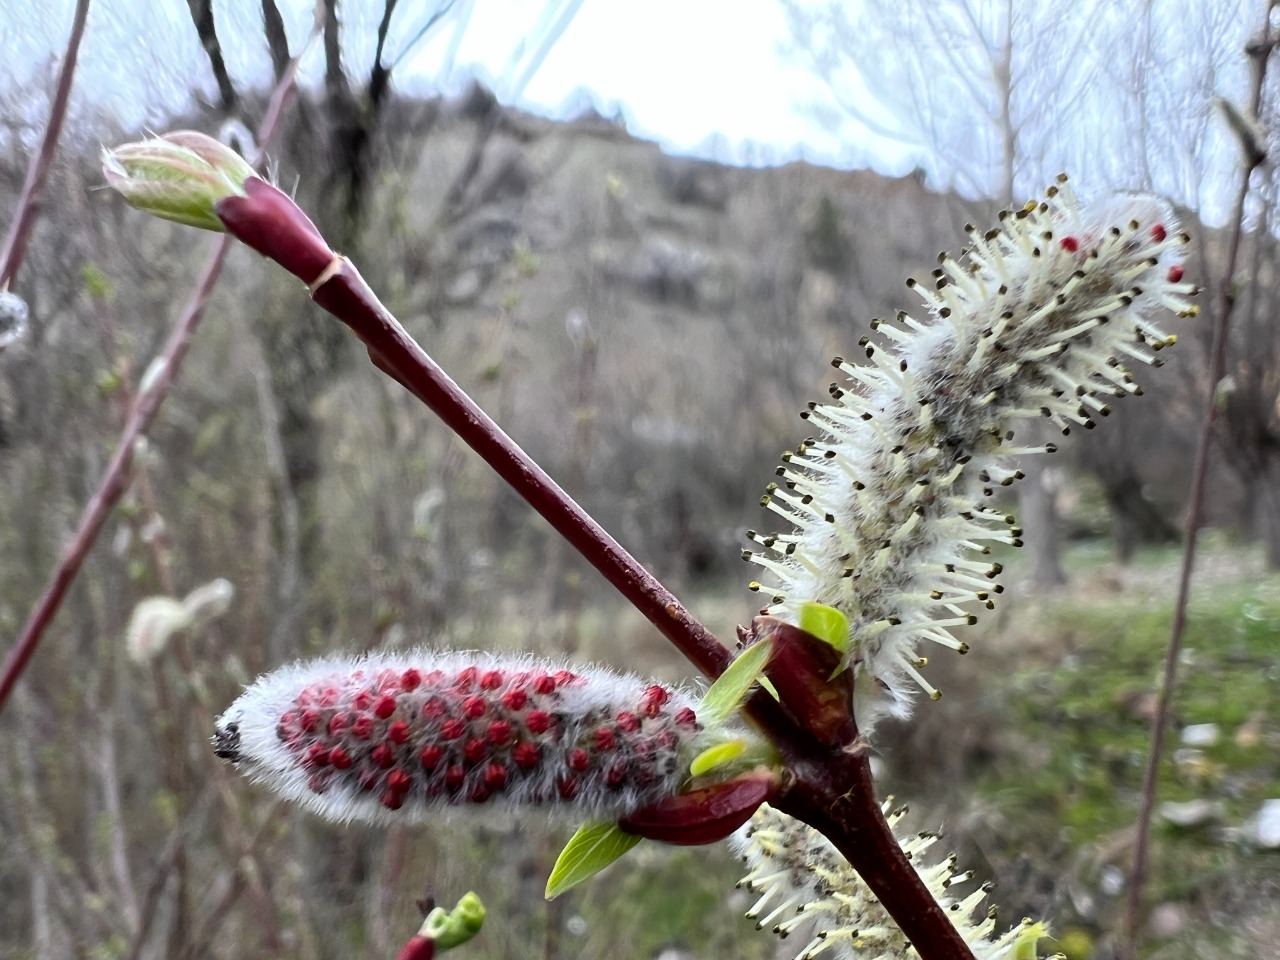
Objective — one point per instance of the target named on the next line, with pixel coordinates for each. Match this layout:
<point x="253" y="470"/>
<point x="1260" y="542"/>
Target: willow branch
<point x="24" y="219"/>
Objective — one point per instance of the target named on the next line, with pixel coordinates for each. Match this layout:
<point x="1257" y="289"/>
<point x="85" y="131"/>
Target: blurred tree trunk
<point x="1267" y="503"/>
<point x="1135" y="520"/>
<point x="1037" y="502"/>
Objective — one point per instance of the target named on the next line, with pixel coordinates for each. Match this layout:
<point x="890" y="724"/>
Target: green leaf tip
<point x="826" y="623"/>
<point x="180" y="176"/>
<point x="717" y="756"/>
<point x="590" y="850"/>
<point x="457" y="926"/>
<point x="1025" y="946"/>
<point x="725" y="695"/>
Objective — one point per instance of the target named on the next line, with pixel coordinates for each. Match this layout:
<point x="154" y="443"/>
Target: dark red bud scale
<point x="705" y="815"/>
<point x="417" y="947"/>
<point x="268" y="220"/>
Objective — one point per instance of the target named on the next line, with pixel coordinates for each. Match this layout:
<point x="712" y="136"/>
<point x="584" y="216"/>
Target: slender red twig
<point x="1253" y="157"/>
<point x="833" y="790"/>
<point x="24" y="219"/>
<point x="115" y="481"/>
<point x="271" y="223"/>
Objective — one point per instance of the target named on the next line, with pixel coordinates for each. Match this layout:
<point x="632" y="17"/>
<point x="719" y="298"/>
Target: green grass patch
<point x="1078" y="716"/>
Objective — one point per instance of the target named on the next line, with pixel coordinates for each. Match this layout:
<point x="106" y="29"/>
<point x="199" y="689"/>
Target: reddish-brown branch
<point x="24" y="218"/>
<point x="1223" y="306"/>
<point x="835" y="795"/>
<point x="349" y="298"/>
<point x="115" y="480"/>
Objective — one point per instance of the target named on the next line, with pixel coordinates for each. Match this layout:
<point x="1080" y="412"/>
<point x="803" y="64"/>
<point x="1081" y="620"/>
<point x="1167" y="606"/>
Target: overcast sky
<point x="709" y="77"/>
<point x="715" y="78"/>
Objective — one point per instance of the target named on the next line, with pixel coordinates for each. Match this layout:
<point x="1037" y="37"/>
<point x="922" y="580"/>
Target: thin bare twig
<point x="115" y="480"/>
<point x="207" y="31"/>
<point x="24" y="219"/>
<point x="1260" y="52"/>
<point x="277" y="40"/>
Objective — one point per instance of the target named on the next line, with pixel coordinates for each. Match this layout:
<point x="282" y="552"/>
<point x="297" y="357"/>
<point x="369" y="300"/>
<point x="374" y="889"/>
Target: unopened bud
<point x="180" y="176"/>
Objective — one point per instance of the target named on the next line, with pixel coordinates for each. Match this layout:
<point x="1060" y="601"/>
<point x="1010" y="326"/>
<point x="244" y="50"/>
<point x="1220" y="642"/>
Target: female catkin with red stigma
<point x="391" y="738"/>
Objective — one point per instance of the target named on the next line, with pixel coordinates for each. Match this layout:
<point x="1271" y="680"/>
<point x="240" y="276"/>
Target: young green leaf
<point x="731" y="688"/>
<point x="826" y="623"/>
<point x="590" y="850"/>
<point x="717" y="756"/>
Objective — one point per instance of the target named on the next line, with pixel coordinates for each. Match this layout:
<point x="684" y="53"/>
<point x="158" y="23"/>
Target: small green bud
<point x="180" y="176"/>
<point x="456" y="927"/>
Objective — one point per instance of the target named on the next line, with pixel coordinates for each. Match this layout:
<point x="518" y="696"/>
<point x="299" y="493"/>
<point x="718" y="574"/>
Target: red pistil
<point x="430" y="756"/>
<point x="515" y="699"/>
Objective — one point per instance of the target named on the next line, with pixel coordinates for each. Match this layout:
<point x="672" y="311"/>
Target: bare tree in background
<point x="1250" y="397"/>
<point x="1176" y="151"/>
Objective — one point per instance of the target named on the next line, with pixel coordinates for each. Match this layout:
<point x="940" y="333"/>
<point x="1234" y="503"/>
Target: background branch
<point x="24" y="218"/>
<point x="115" y="480"/>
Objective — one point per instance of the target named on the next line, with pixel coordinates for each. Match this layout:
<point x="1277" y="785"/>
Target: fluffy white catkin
<point x="804" y="884"/>
<point x="403" y="737"/>
<point x="890" y="500"/>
